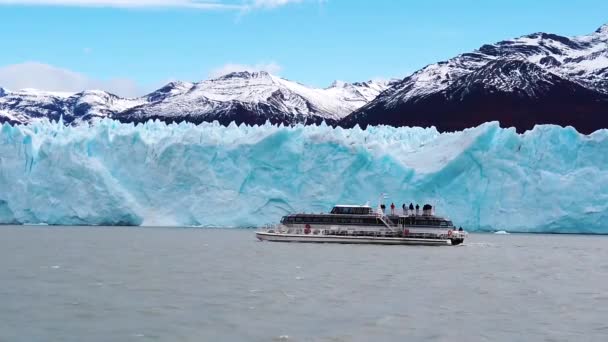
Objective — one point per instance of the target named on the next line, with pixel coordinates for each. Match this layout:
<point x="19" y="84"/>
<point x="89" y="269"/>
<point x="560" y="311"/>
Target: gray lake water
<point x="164" y="284"/>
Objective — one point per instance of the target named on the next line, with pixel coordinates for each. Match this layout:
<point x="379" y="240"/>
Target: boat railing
<point x="270" y="227"/>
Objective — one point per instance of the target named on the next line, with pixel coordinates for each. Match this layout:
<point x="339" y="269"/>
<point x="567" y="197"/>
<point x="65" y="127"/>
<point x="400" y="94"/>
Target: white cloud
<point x="272" y="3"/>
<point x="127" y="3"/>
<point x="51" y="78"/>
<point x="199" y="4"/>
<point x="271" y="67"/>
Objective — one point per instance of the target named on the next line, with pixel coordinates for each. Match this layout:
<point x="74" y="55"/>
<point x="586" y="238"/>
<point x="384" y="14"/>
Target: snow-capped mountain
<point x="538" y="78"/>
<point x="254" y="98"/>
<point x="534" y="79"/>
<point x="243" y="97"/>
<point x="26" y="105"/>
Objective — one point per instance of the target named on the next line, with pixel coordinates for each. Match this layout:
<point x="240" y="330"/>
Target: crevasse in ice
<point x="549" y="179"/>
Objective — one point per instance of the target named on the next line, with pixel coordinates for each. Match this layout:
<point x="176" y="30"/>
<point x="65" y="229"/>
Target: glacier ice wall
<point x="550" y="179"/>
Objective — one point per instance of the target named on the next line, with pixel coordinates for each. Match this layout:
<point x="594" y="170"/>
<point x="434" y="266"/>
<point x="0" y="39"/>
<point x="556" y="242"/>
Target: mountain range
<point x="242" y="97"/>
<point x="540" y="78"/>
<point x="535" y="79"/>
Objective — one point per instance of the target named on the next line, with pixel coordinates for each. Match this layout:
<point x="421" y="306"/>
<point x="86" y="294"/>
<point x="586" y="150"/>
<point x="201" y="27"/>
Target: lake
<point x="182" y="284"/>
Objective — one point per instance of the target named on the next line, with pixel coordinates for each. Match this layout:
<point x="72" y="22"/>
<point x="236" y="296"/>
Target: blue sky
<point x="133" y="46"/>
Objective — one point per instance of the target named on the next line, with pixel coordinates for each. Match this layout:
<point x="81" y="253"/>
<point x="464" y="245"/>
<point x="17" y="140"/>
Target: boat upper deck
<point x="371" y="219"/>
<point x="352" y="210"/>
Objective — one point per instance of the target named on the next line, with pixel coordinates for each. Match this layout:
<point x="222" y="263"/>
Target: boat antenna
<point x="379" y="204"/>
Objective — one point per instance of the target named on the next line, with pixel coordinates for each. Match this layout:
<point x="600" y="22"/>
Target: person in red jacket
<point x="393" y="209"/>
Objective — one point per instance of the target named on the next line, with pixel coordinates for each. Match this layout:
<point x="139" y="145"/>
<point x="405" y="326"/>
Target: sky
<point x="131" y="47"/>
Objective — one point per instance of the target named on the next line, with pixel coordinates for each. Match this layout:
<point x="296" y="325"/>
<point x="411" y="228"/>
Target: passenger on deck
<point x="383" y="207"/>
<point x="411" y="209"/>
<point x="393" y="209"/>
<point x="403" y="207"/>
<point x="417" y="209"/>
<point x="460" y="229"/>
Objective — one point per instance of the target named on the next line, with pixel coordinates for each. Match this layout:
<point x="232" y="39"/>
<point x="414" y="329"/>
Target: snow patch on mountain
<point x="37" y="92"/>
<point x="334" y="102"/>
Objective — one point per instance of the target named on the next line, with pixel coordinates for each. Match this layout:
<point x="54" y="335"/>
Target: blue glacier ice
<point x="549" y="179"/>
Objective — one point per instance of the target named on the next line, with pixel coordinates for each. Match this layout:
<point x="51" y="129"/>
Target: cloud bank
<point x="196" y="4"/>
<point x="51" y="78"/>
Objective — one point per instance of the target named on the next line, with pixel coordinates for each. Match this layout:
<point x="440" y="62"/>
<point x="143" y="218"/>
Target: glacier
<point x="487" y="178"/>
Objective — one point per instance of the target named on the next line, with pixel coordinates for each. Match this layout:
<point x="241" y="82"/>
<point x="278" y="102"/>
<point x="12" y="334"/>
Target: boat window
<point x="298" y="219"/>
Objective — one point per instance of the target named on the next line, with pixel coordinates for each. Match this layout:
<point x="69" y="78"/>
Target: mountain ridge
<point x="564" y="80"/>
<point x="538" y="78"/>
<point x="243" y="97"/>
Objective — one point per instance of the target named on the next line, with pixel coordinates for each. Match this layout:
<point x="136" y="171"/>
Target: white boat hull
<point x="281" y="237"/>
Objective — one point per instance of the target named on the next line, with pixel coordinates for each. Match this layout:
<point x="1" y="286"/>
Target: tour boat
<point x="361" y="224"/>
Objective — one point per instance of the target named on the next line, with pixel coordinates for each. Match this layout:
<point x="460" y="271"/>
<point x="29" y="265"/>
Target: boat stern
<point x="457" y="237"/>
